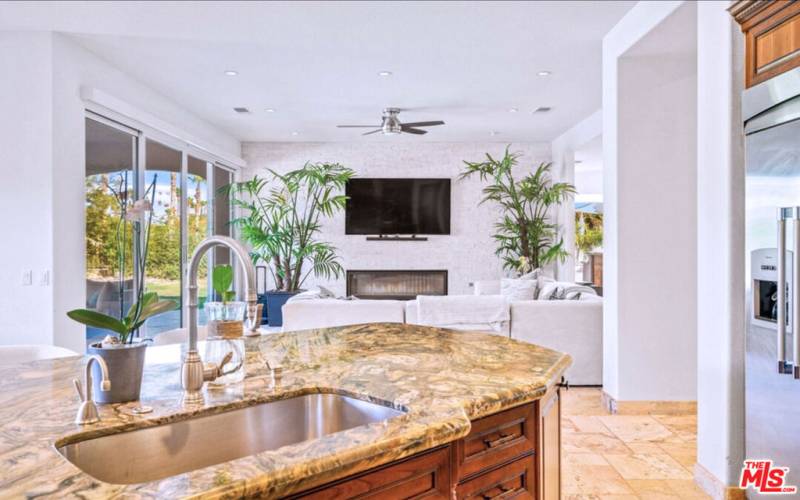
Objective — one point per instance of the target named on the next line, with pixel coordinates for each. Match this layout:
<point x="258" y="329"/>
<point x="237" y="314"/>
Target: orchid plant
<point x="139" y="215"/>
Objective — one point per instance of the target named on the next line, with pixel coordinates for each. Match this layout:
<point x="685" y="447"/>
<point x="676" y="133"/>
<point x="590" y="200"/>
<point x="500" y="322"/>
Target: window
<point x="110" y="182"/>
<point x="188" y="206"/>
<point x="221" y="214"/>
<point x="198" y="225"/>
<point x="163" y="167"/>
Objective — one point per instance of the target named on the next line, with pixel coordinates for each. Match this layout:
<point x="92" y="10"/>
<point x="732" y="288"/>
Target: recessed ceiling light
<point x="513" y="110"/>
<point x="384" y="73"/>
<point x="241" y="110"/>
<point x="493" y="133"/>
<point x="542" y="109"/>
<point x="231" y="72"/>
<point x="295" y="132"/>
<point x="544" y="73"/>
<point x="578" y="162"/>
<point x="270" y="110"/>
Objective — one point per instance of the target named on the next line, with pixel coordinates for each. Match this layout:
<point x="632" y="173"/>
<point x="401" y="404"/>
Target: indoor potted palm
<point x="281" y="217"/>
<point x="122" y="351"/>
<point x="526" y="236"/>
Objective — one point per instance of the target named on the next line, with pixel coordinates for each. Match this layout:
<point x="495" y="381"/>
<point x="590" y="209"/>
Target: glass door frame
<point x="143" y="133"/>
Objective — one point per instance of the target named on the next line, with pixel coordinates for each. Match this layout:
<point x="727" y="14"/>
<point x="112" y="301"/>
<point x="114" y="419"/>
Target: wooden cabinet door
<point x="549" y="457"/>
<point x="772" y="37"/>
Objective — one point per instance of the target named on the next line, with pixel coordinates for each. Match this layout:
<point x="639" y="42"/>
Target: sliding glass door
<point x="110" y="183"/>
<point x="121" y="166"/>
<point x="198" y="226"/>
<point x="163" y="167"/>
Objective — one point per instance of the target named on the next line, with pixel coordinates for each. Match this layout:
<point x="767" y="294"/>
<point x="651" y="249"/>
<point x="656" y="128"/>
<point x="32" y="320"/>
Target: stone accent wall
<point x="467" y="253"/>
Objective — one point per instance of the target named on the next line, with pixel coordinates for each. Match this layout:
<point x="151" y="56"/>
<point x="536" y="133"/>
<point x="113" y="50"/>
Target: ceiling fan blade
<point x="423" y="124"/>
<point x="373" y="132"/>
<point x="357" y="126"/>
<point x="417" y="131"/>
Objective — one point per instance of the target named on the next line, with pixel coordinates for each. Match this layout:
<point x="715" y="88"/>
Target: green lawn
<point x="170" y="289"/>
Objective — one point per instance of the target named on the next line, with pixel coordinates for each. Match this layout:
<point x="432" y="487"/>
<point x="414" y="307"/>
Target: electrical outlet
<point x="44" y="279"/>
<point x="27" y="277"/>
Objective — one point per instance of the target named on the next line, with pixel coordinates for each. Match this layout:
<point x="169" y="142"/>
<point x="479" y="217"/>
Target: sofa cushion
<point x="412" y="318"/>
<point x="323" y="313"/>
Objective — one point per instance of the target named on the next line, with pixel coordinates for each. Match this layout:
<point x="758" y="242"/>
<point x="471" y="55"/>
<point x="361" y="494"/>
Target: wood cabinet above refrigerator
<point x="772" y="37"/>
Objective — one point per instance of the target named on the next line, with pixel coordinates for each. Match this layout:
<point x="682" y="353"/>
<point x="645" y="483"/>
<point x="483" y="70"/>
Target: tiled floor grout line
<point x="625" y="457"/>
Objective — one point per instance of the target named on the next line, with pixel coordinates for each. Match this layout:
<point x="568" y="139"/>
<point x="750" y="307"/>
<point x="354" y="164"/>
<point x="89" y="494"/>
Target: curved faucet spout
<point x="192" y="372"/>
<point x="250" y="281"/>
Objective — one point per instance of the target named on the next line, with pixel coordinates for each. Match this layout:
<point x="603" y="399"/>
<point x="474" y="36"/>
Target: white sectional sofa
<point x="571" y="326"/>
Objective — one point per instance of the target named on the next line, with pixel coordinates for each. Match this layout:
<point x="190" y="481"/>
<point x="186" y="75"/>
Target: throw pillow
<point x="562" y="290"/>
<point x="574" y="291"/>
<point x="518" y="289"/>
<point x="548" y="288"/>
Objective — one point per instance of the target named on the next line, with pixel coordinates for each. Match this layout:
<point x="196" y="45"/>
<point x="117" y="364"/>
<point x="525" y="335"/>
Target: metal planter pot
<point x="275" y="301"/>
<point x="125" y="368"/>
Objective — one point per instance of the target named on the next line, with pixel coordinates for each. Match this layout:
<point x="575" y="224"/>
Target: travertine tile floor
<point x="625" y="456"/>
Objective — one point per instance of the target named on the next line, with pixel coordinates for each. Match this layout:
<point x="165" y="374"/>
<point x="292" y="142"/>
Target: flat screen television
<point x="397" y="206"/>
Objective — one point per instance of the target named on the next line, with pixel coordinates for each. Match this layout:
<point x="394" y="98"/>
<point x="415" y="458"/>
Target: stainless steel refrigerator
<point x="771" y="112"/>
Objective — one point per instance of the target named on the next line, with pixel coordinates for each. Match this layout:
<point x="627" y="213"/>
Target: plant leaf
<point x="222" y="278"/>
<point x="154" y="309"/>
<point x="98" y="320"/>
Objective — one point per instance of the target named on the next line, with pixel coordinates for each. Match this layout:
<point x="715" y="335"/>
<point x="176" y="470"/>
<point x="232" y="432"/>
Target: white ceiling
<point x="316" y="63"/>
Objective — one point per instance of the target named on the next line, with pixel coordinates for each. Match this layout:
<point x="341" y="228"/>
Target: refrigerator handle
<point x="795" y="286"/>
<point x="781" y="330"/>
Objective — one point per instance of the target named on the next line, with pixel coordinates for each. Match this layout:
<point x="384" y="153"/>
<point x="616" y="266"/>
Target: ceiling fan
<point x="391" y="125"/>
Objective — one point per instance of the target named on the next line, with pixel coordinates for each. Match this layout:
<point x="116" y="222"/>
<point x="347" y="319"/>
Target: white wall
<point x="649" y="144"/>
<point x="45" y="94"/>
<point x="720" y="245"/>
<point x="467" y="253"/>
<point x="25" y="186"/>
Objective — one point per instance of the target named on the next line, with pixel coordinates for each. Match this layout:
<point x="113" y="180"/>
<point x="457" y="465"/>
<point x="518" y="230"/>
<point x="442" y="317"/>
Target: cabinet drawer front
<point x="496" y="439"/>
<point x="426" y="476"/>
<point x="516" y="480"/>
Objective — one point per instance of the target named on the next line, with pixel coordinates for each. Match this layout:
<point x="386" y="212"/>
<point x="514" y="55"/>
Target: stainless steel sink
<point x="170" y="449"/>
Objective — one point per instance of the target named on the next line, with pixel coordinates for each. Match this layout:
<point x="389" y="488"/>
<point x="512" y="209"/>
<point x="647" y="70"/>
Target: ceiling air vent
<point x="243" y="111"/>
<point x="542" y="109"/>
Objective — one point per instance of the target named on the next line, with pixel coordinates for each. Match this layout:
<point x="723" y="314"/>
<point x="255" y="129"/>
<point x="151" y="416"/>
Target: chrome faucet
<point x="87" y="411"/>
<point x="193" y="373"/>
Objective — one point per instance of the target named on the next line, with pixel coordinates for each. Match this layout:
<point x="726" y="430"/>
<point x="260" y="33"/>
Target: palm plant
<point x="588" y="231"/>
<point x="281" y="216"/>
<point x="526" y="236"/>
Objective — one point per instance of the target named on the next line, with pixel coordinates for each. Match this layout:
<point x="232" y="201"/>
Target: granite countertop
<point x="442" y="378"/>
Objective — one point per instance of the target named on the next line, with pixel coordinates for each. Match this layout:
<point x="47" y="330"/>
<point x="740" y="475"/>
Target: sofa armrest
<point x="571" y="326"/>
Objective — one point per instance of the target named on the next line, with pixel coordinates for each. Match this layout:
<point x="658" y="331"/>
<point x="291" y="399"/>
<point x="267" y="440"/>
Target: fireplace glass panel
<point x="398" y="285"/>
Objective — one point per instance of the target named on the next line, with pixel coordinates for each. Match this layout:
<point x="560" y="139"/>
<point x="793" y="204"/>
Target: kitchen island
<point x="480" y="416"/>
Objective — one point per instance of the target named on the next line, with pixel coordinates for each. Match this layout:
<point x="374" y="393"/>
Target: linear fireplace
<point x="398" y="285"/>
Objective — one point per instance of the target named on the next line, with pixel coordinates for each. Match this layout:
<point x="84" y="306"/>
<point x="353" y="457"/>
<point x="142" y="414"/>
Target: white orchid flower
<point x="138" y="211"/>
